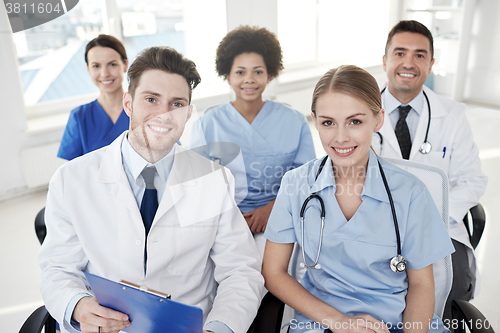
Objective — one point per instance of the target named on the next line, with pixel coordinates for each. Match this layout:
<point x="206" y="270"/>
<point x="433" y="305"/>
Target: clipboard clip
<point x="145" y="289"/>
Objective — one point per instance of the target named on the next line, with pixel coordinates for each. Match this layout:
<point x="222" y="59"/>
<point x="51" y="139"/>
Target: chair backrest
<point x="437" y="183"/>
<point x="474" y="221"/>
<point x="268" y="319"/>
<point x="38" y="320"/>
<point x="40" y="229"/>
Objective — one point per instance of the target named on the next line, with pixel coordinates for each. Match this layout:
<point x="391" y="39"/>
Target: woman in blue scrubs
<point x="353" y="286"/>
<point x="97" y="124"/>
<point x="257" y="140"/>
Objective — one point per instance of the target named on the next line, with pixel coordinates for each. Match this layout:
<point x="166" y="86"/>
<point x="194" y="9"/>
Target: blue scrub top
<point x="258" y="154"/>
<point x="89" y="128"/>
<point x="355" y="276"/>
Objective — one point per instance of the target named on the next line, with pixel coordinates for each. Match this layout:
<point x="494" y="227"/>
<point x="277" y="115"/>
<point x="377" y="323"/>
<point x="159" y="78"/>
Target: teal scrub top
<point x="258" y="154"/>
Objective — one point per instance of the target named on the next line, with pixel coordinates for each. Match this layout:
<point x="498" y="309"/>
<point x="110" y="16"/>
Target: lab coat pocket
<point x="439" y="158"/>
<point x="192" y="247"/>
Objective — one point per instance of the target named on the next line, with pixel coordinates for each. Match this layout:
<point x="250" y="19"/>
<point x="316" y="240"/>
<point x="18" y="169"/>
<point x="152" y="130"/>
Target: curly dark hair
<point x="246" y="39"/>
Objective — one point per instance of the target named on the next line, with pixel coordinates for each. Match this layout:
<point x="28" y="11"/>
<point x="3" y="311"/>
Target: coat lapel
<point x="423" y="120"/>
<point x="112" y="173"/>
<point x="181" y="175"/>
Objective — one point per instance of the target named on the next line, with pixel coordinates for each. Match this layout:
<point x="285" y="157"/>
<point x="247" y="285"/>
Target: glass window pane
<point x="51" y="55"/>
<point x="297" y="30"/>
<point x="352" y="32"/>
<point x="182" y="25"/>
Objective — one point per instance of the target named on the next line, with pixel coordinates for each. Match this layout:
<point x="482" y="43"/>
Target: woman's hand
<point x="356" y="324"/>
<point x="257" y="218"/>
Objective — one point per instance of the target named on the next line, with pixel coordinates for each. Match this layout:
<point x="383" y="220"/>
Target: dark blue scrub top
<point x="89" y="128"/>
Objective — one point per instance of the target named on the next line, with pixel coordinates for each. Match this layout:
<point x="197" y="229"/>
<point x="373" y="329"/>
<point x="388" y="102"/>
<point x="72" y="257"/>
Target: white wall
<point x="12" y="115"/>
<point x="483" y="74"/>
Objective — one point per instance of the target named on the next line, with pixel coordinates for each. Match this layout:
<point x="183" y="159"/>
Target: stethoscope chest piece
<point x="398" y="264"/>
<point x="425" y="148"/>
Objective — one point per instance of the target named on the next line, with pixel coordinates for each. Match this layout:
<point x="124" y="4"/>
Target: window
<point x="51" y="55"/>
<point x="181" y="24"/>
<point x="338" y="31"/>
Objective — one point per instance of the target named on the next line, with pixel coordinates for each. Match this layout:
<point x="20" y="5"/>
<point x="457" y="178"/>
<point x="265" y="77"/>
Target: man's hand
<point x="91" y="316"/>
<point x="257" y="218"/>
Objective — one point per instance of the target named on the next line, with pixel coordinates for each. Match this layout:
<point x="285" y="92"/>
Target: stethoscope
<point x="425" y="147"/>
<point x="397" y="264"/>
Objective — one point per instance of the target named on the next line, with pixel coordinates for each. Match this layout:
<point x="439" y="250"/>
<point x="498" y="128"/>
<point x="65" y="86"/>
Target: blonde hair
<point x="350" y="80"/>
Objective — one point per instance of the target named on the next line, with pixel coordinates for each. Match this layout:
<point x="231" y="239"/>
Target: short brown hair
<point x="353" y="81"/>
<point x="165" y="59"/>
<point x="246" y="39"/>
<point x="410" y="26"/>
<point x="106" y="41"/>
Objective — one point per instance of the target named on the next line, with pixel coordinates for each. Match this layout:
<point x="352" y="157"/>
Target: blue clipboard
<point x="149" y="311"/>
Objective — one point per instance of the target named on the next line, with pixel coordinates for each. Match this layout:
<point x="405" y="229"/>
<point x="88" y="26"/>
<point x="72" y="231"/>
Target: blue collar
<point x="373" y="186"/>
<point x="391" y="104"/>
<point x="135" y="163"/>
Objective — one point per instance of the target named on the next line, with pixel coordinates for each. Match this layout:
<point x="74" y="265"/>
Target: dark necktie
<point x="402" y="132"/>
<point x="149" y="203"/>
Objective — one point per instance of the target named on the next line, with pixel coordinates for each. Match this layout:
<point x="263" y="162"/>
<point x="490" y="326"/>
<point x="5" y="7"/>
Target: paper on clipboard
<point x="149" y="311"/>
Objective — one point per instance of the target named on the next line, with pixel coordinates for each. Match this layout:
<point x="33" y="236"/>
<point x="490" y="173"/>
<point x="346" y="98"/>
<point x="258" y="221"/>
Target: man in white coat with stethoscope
<point x="444" y="140"/>
<point x="147" y="211"/>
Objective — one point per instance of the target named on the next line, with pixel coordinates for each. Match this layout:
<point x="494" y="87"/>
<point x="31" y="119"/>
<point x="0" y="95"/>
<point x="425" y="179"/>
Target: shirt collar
<point x="135" y="163"/>
<point x="391" y="104"/>
<point x="373" y="186"/>
<point x="325" y="178"/>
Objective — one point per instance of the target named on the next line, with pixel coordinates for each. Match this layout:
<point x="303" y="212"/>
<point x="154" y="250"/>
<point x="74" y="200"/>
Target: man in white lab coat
<point x="408" y="60"/>
<point x="196" y="245"/>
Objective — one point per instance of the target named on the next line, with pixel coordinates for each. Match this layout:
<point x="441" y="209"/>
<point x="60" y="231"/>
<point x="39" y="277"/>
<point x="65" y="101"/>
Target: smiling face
<point x="408" y="62"/>
<point x="158" y="113"/>
<point x="106" y="68"/>
<point x="345" y="127"/>
<point x="248" y="77"/>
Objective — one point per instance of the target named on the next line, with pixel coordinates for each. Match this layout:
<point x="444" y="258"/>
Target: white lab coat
<point x="449" y="129"/>
<point x="200" y="249"/>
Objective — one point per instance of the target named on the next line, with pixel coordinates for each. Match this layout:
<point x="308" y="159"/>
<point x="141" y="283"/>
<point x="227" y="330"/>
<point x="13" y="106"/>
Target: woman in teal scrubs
<point x="98" y="123"/>
<point x="258" y="140"/>
<point x="353" y="285"/>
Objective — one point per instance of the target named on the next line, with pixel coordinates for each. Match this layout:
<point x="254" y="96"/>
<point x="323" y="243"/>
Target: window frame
<point x="293" y="76"/>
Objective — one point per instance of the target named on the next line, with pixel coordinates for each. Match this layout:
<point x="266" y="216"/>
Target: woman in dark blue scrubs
<point x="98" y="123"/>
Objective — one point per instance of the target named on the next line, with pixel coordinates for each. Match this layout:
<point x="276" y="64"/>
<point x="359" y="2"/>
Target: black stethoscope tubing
<point x="397" y="264"/>
<point x="425" y="143"/>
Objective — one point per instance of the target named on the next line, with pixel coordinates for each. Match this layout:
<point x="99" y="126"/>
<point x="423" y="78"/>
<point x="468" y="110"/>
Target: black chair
<point x="38" y="320"/>
<point x="40" y="229"/>
<point x="474" y="222"/>
<point x="269" y="316"/>
<point x="467" y="315"/>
